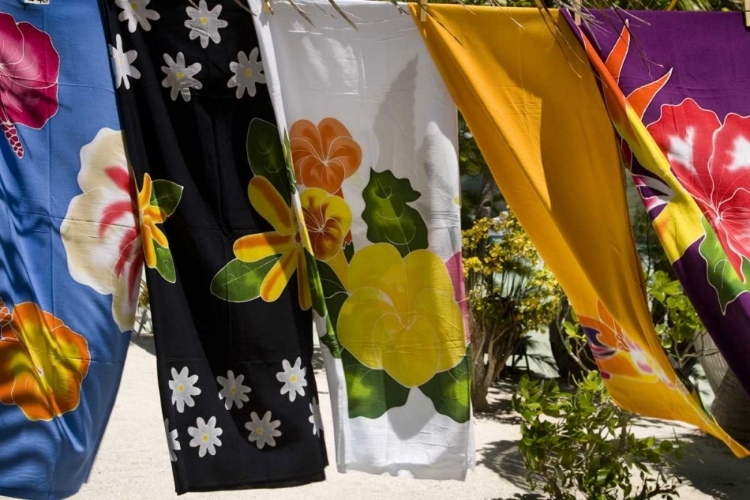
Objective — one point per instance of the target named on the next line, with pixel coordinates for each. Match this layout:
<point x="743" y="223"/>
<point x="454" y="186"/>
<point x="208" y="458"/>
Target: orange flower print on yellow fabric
<point x="401" y="315"/>
<point x="616" y="354"/>
<point x="328" y="220"/>
<point x="323" y="155"/>
<point x="42" y="362"/>
<point x="284" y="241"/>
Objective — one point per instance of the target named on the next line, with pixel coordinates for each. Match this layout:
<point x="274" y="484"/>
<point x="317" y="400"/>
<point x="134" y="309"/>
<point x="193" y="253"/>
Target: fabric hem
<point x="410" y="471"/>
<point x="288" y="482"/>
<point x="34" y="494"/>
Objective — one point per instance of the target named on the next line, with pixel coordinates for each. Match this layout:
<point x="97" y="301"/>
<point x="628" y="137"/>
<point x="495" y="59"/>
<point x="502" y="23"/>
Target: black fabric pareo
<point x="241" y="366"/>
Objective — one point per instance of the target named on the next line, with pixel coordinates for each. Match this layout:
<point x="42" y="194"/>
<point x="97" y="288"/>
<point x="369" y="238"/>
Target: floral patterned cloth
<point x="684" y="120"/>
<point x="370" y="135"/>
<point x="226" y="260"/>
<point x="71" y="263"/>
<point x="541" y="141"/>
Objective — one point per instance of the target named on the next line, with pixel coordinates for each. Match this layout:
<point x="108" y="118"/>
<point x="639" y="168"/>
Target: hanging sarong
<point x="225" y="262"/>
<point x="683" y="115"/>
<point x="70" y="265"/>
<point x="531" y="101"/>
<point x="370" y="131"/>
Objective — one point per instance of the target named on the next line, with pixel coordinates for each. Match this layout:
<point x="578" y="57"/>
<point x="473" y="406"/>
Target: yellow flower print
<point x="157" y="200"/>
<point x="284" y="241"/>
<point x="328" y="220"/>
<point x="150" y="216"/>
<point x="401" y="315"/>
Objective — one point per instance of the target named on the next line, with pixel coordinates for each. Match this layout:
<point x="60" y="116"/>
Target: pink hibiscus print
<point x="29" y="70"/>
<point x="712" y="162"/>
<point x="456" y="271"/>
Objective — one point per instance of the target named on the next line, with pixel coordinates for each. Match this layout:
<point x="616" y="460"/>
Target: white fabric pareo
<point x="380" y="82"/>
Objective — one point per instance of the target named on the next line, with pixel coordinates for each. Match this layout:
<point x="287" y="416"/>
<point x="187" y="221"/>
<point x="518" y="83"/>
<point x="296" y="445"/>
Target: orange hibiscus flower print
<point x="323" y="155"/>
<point x="616" y="354"/>
<point x="42" y="362"/>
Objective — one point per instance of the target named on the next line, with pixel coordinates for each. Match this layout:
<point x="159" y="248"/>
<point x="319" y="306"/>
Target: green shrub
<point x="581" y="445"/>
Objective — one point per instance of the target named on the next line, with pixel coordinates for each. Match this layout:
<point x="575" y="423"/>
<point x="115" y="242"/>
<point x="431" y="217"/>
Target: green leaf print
<point x="240" y="281"/>
<point x="450" y="391"/>
<point x="289" y="163"/>
<point x="164" y="263"/>
<point x="334" y="292"/>
<point x="349" y="251"/>
<point x="370" y="392"/>
<point x="389" y="219"/>
<point x="166" y="195"/>
<point x="316" y="270"/>
<point x="721" y="275"/>
<point x="266" y="155"/>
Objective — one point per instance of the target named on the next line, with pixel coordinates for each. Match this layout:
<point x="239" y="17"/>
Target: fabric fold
<point x="684" y="127"/>
<point x="552" y="152"/>
<point x="371" y="134"/>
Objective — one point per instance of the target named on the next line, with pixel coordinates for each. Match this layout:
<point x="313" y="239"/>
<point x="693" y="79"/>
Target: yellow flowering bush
<point x="510" y="293"/>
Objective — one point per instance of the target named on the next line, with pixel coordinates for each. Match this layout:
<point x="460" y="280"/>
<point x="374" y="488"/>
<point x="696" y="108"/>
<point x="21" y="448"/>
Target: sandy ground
<point x="133" y="461"/>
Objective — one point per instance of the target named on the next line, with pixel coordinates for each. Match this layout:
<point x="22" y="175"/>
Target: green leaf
<point x="389" y="219"/>
<point x="316" y="288"/>
<point x="266" y="155"/>
<point x="721" y="275"/>
<point x="320" y="299"/>
<point x="370" y="392"/>
<point x="164" y="263"/>
<point x="240" y="281"/>
<point x="166" y="195"/>
<point x="450" y="391"/>
<point x="334" y="292"/>
<point x="289" y="161"/>
<point x="666" y="446"/>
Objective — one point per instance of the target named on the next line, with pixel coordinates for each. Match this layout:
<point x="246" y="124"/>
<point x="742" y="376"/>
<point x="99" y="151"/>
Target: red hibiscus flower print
<point x="712" y="162"/>
<point x="29" y="70"/>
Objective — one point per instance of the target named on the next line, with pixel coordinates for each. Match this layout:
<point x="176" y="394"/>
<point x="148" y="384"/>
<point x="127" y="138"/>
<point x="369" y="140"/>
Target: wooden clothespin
<point x="423" y="10"/>
<point x="747" y="13"/>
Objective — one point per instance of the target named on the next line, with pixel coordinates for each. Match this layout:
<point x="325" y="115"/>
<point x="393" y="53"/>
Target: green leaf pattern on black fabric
<point x="266" y="156"/>
<point x="165" y="263"/>
<point x="166" y="195"/>
<point x="240" y="281"/>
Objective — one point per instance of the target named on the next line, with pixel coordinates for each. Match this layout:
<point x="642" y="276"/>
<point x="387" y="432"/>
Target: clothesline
<point x="271" y="174"/>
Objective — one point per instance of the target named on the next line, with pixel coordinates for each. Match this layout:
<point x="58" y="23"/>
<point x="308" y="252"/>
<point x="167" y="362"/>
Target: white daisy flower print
<point x="121" y="63"/>
<point x="136" y="13"/>
<point x="315" y="419"/>
<point x="293" y="378"/>
<point x="205" y="436"/>
<point x="247" y="72"/>
<point x="233" y="392"/>
<point x="183" y="388"/>
<point x="263" y="432"/>
<point x="172" y="442"/>
<point x="204" y="23"/>
<point x="180" y="77"/>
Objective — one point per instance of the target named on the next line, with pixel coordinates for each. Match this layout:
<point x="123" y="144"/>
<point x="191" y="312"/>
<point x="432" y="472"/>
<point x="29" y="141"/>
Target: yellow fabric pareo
<point x="529" y="96"/>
